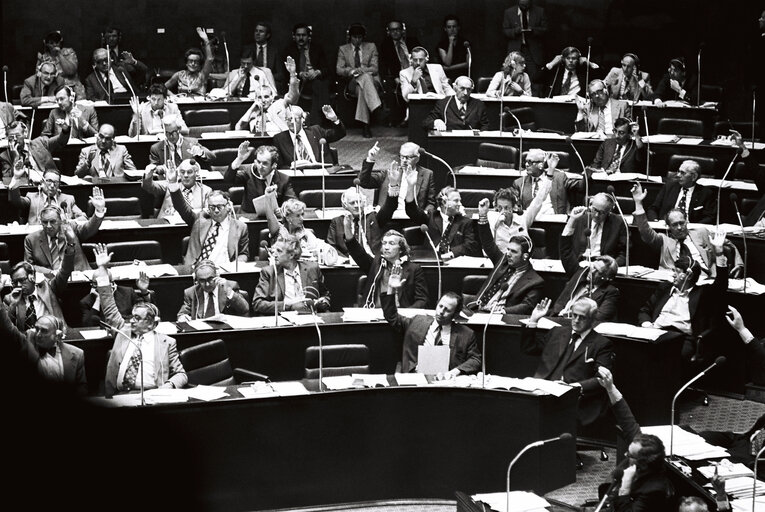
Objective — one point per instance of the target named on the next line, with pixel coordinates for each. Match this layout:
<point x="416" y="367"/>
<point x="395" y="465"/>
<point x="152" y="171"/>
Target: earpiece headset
<point x="527" y="255"/>
<point x="403" y="27"/>
<point x="443" y="195"/>
<point x="205" y="264"/>
<point x="56" y="208"/>
<point x="679" y="63"/>
<point x="355" y="27"/>
<point x="633" y="57"/>
<point x="419" y="49"/>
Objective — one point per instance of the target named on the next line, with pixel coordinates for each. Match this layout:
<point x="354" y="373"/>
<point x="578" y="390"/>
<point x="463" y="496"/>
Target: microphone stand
<point x="563" y="437"/>
<point x="322" y="143"/>
<point x="441" y="160"/>
<point x="743" y="235"/>
<point x="501" y="105"/>
<point x="754" y="110"/>
<point x="520" y="134"/>
<point x="311" y="302"/>
<point x="495" y="309"/>
<point x="113" y="330"/>
<point x="698" y="78"/>
<point x="719" y="188"/>
<point x="648" y="146"/>
<point x="424" y="229"/>
<point x="586" y="202"/>
<point x="469" y="58"/>
<point x="754" y="482"/>
<point x="108" y="78"/>
<point x="587" y="71"/>
<point x="5" y="83"/>
<point x="626" y="228"/>
<point x="225" y="49"/>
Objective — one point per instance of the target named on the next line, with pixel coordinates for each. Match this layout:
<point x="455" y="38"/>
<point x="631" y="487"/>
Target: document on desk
<point x="661" y="138"/>
<point x="246" y="322"/>
<point x="210" y="175"/>
<point x="94" y="334"/>
<point x="199" y="325"/>
<point x="411" y="379"/>
<point x="289" y="388"/>
<point x="74" y="180"/>
<point x="548" y="265"/>
<point x="166" y="328"/>
<point x="745" y="505"/>
<point x="481" y="318"/>
<point x="207" y="393"/>
<point x="119" y="224"/>
<point x="165" y="396"/>
<point x="587" y="136"/>
<point x="629" y="330"/>
<point x="488" y="171"/>
<point x="508" y="383"/>
<point x="330" y="213"/>
<point x="689" y="141"/>
<point x="520" y="501"/>
<point x="725" y="469"/>
<point x="297" y="319"/>
<point x="736" y="184"/>
<point x="686" y="444"/>
<point x="432" y="360"/>
<point x="635" y="271"/>
<point x="548" y="386"/>
<point x="752" y="286"/>
<point x="741" y="487"/>
<point x="469" y="262"/>
<point x="371" y="380"/>
<point x="363" y="315"/>
<point x="543" y="323"/>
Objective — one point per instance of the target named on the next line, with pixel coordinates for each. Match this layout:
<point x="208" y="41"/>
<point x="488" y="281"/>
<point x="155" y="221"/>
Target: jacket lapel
<point x="160" y="356"/>
<point x="45" y="248"/>
<point x="67" y="358"/>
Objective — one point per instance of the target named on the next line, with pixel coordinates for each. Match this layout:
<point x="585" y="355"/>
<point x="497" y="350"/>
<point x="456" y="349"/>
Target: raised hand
<point x="142" y="283"/>
<point x="103" y="257"/>
<point x="372" y="154"/>
<point x="395" y="281"/>
<point x="394" y="174"/>
<point x="483" y="207"/>
<point x="202" y="34"/>
<point x="540" y="310"/>
<point x="98" y="200"/>
<point x="171" y="174"/>
<point x="605" y="378"/>
<point x="439" y="125"/>
<point x="638" y="194"/>
<point x="69" y="234"/>
<point x="734" y="318"/>
<point x="552" y="160"/>
<point x="134" y="104"/>
<point x="577" y="211"/>
<point x="329" y="113"/>
<point x="290" y="65"/>
<point x="717" y="240"/>
<point x="196" y="150"/>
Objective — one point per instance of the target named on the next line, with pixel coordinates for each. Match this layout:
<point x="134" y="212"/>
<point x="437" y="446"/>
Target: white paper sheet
<point x="94" y="334"/>
<point x="411" y="379"/>
<point x="432" y="360"/>
<point x="520" y="501"/>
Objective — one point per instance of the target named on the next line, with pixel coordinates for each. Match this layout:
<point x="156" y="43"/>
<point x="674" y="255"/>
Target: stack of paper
<point x="690" y="141"/>
<point x="635" y="271"/>
<point x="687" y="445"/>
<point x="745" y="505"/>
<point x="411" y="379"/>
<point x="489" y="171"/>
<point x="725" y="469"/>
<point x="297" y="319"/>
<point x="520" y="501"/>
<point x="544" y="323"/>
<point x="548" y="386"/>
<point x="662" y="138"/>
<point x="547" y="265"/>
<point x="629" y="331"/>
<point x="741" y="487"/>
<point x="363" y="315"/>
<point x="119" y="224"/>
<point x="165" y="396"/>
<point x="469" y="262"/>
<point x="354" y="381"/>
<point x="752" y="286"/>
<point x="508" y="383"/>
<point x="412" y="312"/>
<point x="207" y="393"/>
<point x="246" y="322"/>
<point x="482" y="318"/>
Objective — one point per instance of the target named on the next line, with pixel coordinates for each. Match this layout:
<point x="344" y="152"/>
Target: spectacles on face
<point x="206" y="280"/>
<point x="173" y="132"/>
<point x="20" y="280"/>
<point x="534" y="162"/>
<point x="105" y="137"/>
<point x="51" y="183"/>
<point x="137" y="318"/>
<point x="407" y="157"/>
<point x="101" y="61"/>
<point x="598" y="210"/>
<point x="193" y="61"/>
<point x="217" y="207"/>
<point x="598" y="92"/>
<point x="577" y="316"/>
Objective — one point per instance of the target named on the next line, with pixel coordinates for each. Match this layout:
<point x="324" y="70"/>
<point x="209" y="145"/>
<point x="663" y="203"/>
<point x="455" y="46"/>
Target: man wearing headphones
<point x="628" y="82"/>
<point x="365" y="228"/>
<point x="41" y="87"/>
<point x="176" y="147"/>
<point x="607" y="234"/>
<point x="570" y="73"/>
<point x="137" y="348"/>
<point x="49" y="193"/>
<point x="138" y="71"/>
<point x="193" y="192"/>
<point x="245" y="81"/>
<point x="312" y="68"/>
<point x="394" y="56"/>
<point x="357" y="62"/>
<point x="677" y="84"/>
<point x="458" y="112"/>
<point x="258" y="176"/>
<point x="125" y="298"/>
<point x="540" y="167"/>
<point x="503" y="221"/>
<point x="81" y="119"/>
<point x="697" y="201"/>
<point x="275" y="108"/>
<point x="302" y="145"/>
<point x="421" y="77"/>
<point x="105" y="158"/>
<point x="147" y="116"/>
<point x="211" y="295"/>
<point x="600" y="112"/>
<point x="623" y="152"/>
<point x="106" y="83"/>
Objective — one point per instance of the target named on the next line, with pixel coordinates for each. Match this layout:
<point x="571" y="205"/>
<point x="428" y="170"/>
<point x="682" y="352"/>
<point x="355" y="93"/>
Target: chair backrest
<point x="312" y="198"/>
<point x="223" y="157"/>
<point x="337" y="359"/>
<point x="207" y="364"/>
<point x="497" y="156"/>
<point x="360" y="284"/>
<point x="747" y="205"/>
<point x="707" y="165"/>
<point x="236" y="194"/>
<point x="627" y="204"/>
<point x="3" y="251"/>
<point x="185" y="244"/>
<point x="149" y="251"/>
<point x="742" y="172"/>
<point x="525" y="115"/>
<point x="711" y="93"/>
<point x="563" y="162"/>
<point x="57" y="163"/>
<point x="742" y="127"/>
<point x="483" y="84"/>
<point x="89" y="250"/>
<point x="207" y="120"/>
<point x="691" y="127"/>
<point x="472" y="196"/>
<point x="539" y="239"/>
<point x="16" y="92"/>
<point x="120" y="208"/>
<point x="471" y="284"/>
<point x="414" y="236"/>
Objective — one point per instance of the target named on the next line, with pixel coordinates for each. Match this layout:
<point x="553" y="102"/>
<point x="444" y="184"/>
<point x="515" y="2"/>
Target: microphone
<point x="225" y="49"/>
<point x="466" y="44"/>
<point x="536" y="444"/>
<point x="496" y="308"/>
<point x="5" y="82"/>
<point x="422" y="151"/>
<point x="718" y="362"/>
<point x="310" y="302"/>
<point x="114" y="332"/>
<point x="520" y="133"/>
<point x="754" y="109"/>
<point x="610" y="190"/>
<point x="322" y="143"/>
<point x="720" y="187"/>
<point x="362" y="213"/>
<point x="586" y="196"/>
<point x="734" y="200"/>
<point x="272" y="262"/>
<point x="424" y="229"/>
<point x="108" y="70"/>
<point x="587" y="71"/>
<point x="698" y="76"/>
<point x="648" y="144"/>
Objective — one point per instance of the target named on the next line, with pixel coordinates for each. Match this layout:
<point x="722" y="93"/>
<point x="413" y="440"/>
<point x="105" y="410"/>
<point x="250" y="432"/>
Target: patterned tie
<point x="683" y="201"/>
<point x="187" y="195"/>
<point x="535" y="187"/>
<point x="131" y="372"/>
<point x="209" y="244"/>
<point x="210" y="310"/>
<point x="443" y="245"/>
<point x="55" y="253"/>
<point x="356" y="231"/>
<point x="601" y="120"/>
<point x="623" y="87"/>
<point x="524" y="24"/>
<point x="682" y="252"/>
<point x="357" y="57"/>
<point x="487" y="296"/>
<point x="105" y="163"/>
<point x="463" y="112"/>
<point x="301" y="153"/>
<point x="437" y="336"/>
<point x="259" y="60"/>
<point x="31" y="318"/>
<point x="564" y="89"/>
<point x="617" y="159"/>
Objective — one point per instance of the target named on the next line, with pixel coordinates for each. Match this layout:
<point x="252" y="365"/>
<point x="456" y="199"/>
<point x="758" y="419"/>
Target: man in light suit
<point x="302" y="143"/>
<point x="367" y="231"/>
<point x="31" y="205"/>
<point x="136" y="342"/>
<point x="289" y="282"/>
<point x="439" y="329"/>
<point x="600" y="112"/>
<point x="625" y="152"/>
<point x="541" y="166"/>
<point x="258" y="176"/>
<point x="105" y="83"/>
<point x="32" y="158"/>
<point x="608" y="235"/>
<point x="572" y="355"/>
<point x="176" y="147"/>
<point x="458" y="112"/>
<point x="422" y="78"/>
<point x="211" y="295"/>
<point x="105" y="158"/>
<point x="697" y="201"/>
<point x="41" y="87"/>
<point x="525" y="27"/>
<point x="266" y="54"/>
<point x="628" y="82"/>
<point x="357" y="62"/>
<point x="81" y="119"/>
<point x="147" y="116"/>
<point x="193" y="193"/>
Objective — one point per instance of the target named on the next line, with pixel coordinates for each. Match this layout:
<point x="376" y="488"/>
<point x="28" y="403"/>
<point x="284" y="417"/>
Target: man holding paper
<point x="211" y="295"/>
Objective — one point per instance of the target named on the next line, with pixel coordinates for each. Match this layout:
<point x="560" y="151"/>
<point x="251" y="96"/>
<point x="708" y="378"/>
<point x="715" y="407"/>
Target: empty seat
<point x="539" y="239"/>
<point x="497" y="156"/>
<point x="236" y="194"/>
<point x="120" y="208"/>
<point x="223" y="158"/>
<point x="337" y="360"/>
<point x="148" y="251"/>
<point x="312" y="198"/>
<point x="742" y="127"/>
<point x="360" y="284"/>
<point x="207" y="120"/>
<point x="472" y="196"/>
<point x="483" y="84"/>
<point x="207" y="364"/>
<point x="471" y="284"/>
<point x="690" y="127"/>
<point x="526" y="117"/>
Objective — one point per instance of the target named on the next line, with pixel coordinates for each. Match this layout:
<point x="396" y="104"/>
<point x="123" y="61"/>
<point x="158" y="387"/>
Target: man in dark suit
<point x="572" y="355"/>
<point x="608" y="235"/>
<point x="177" y="148"/>
<point x="697" y="201"/>
<point x="543" y="166"/>
<point x="755" y="348"/>
<point x="363" y="221"/>
<point x="267" y="56"/>
<point x="312" y="68"/>
<point x="458" y="112"/>
<point x="41" y="87"/>
<point x="49" y="192"/>
<point x="32" y="158"/>
<point x="211" y="295"/>
<point x="258" y="176"/>
<point x="300" y="145"/>
<point x="289" y="282"/>
<point x="624" y="152"/>
<point x="440" y="329"/>
<point x="676" y="85"/>
<point x="100" y="84"/>
<point x="125" y="298"/>
<point x="566" y="73"/>
<point x="600" y="112"/>
<point x="394" y="56"/>
<point x="81" y="119"/>
<point x="525" y="27"/>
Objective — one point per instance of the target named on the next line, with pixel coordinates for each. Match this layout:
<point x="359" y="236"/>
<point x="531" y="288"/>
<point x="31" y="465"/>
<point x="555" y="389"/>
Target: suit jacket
<point x="283" y="141"/>
<point x="255" y="187"/>
<point x="426" y="188"/>
<point x="159" y="189"/>
<point x="554" y="78"/>
<point x="47" y="290"/>
<point x="527" y="290"/>
<point x="274" y="62"/>
<point x="463" y="348"/>
<point x="560" y="189"/>
<point x="269" y="292"/>
<point x="511" y="25"/>
<point x="633" y="91"/>
<point x="665" y="92"/>
<point x="390" y="65"/>
<point x="167" y="362"/>
<point x="33" y="203"/>
<point x="437" y="77"/>
<point x="319" y="60"/>
<point x="619" y="108"/>
<point x="475" y="117"/>
<point x="157" y="152"/>
<point x="461" y="239"/>
<point x="86" y="127"/>
<point x="702" y="206"/>
<point x="37" y="250"/>
<point x="613" y="240"/>
<point x="194" y="301"/>
<point x="755" y="351"/>
<point x="593" y="351"/>
<point x="336" y="233"/>
<point x="34" y="90"/>
<point x="124" y="297"/>
<point x="633" y="159"/>
<point x="40" y="150"/>
<point x="369" y="60"/>
<point x="90" y="162"/>
<point x="72" y="359"/>
<point x="96" y="88"/>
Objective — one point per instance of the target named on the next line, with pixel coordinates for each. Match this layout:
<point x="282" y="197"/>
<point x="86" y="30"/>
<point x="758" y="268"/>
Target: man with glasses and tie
<point x="696" y="201"/>
<point x="259" y="176"/>
<point x="624" y="152"/>
<point x="107" y="83"/>
<point x="572" y="354"/>
<point x="140" y="355"/>
<point x="41" y="87"/>
<point x="365" y="228"/>
<point x="607" y="234"/>
<point x="458" y="112"/>
<point x="49" y="193"/>
<point x="193" y="192"/>
<point x="105" y="158"/>
<point x="81" y="119"/>
<point x="248" y="79"/>
<point x="541" y="166"/>
<point x="28" y="159"/>
<point x="211" y="295"/>
<point x="176" y="148"/>
<point x="600" y="112"/>
<point x="300" y="144"/>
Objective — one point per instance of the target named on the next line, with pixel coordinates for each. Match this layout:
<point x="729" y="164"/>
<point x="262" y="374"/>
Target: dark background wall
<point x="656" y="30"/>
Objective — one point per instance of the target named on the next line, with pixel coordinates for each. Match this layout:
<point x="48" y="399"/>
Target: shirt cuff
<point x="101" y="214"/>
<point x="746" y="335"/>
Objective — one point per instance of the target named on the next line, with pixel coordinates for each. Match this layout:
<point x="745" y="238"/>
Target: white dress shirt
<point x="147" y="342"/>
<point x="430" y="336"/>
<point x="219" y="254"/>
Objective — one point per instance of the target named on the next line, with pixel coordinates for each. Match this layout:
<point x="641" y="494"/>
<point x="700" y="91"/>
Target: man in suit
<point x="409" y="157"/>
<point x="275" y="108"/>
<point x="301" y="145"/>
<point x="216" y="234"/>
<point x="32" y="158"/>
<point x="525" y="27"/>
<point x="624" y="152"/>
<point x="81" y="119"/>
<point x="289" y="282"/>
<point x="125" y="298"/>
<point x="608" y="235"/>
<point x="138" y="348"/>
<point x="600" y="112"/>
<point x="105" y="158"/>
<point x="679" y="240"/>
<point x="541" y="166"/>
<point x="211" y="295"/>
<point x="696" y="201"/>
<point x="137" y="70"/>
<point x="394" y="56"/>
<point x="566" y="73"/>
<point x="107" y="83"/>
<point x="248" y="79"/>
<point x="422" y="77"/>
<point x="49" y="192"/>
<point x="45" y="249"/>
<point x="572" y="355"/>
<point x="458" y="112"/>
<point x="439" y="329"/>
<point x="258" y="176"/>
<point x="266" y="55"/>
<point x="147" y="116"/>
<point x="628" y="82"/>
<point x="365" y="228"/>
<point x="41" y="87"/>
<point x="755" y="348"/>
<point x="357" y="62"/>
<point x="676" y="85"/>
<point x="451" y="230"/>
<point x="193" y="192"/>
<point x="176" y="148"/>
<point x="312" y="68"/>
<point x="503" y="221"/>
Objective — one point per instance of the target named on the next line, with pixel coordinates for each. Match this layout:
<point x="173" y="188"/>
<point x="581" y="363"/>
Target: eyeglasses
<point x="101" y="61"/>
<point x="20" y="280"/>
<point x="598" y="211"/>
<point x="193" y="61"/>
<point x="105" y="137"/>
<point x="534" y="162"/>
<point x="207" y="280"/>
<point x="173" y="132"/>
<point x="137" y="318"/>
<point x="217" y="207"/>
<point x="407" y="157"/>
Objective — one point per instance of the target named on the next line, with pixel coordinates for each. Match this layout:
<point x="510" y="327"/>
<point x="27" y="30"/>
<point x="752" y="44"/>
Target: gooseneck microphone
<point x="586" y="203"/>
<point x="494" y="309"/>
<point x="718" y="362"/>
<point x="322" y="143"/>
<point x="272" y="259"/>
<point x="734" y="200"/>
<point x="362" y="213"/>
<point x="5" y="82"/>
<point x="648" y="145"/>
<point x="722" y="181"/>
<point x="311" y="302"/>
<point x="424" y="229"/>
<point x="225" y="50"/>
<point x="536" y="444"/>
<point x="610" y="190"/>
<point x="114" y="331"/>
<point x="698" y="76"/>
<point x="466" y="44"/>
<point x="587" y="71"/>
<point x="422" y="151"/>
<point x="754" y="110"/>
<point x="520" y="135"/>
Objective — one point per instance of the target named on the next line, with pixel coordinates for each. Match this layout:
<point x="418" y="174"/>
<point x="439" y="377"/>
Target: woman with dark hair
<point x="452" y="53"/>
<point x="193" y="79"/>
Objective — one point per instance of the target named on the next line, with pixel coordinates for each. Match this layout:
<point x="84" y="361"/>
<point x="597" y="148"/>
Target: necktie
<point x="357" y="57"/>
<point x="557" y="373"/>
<point x="301" y="154"/>
<point x="210" y="310"/>
<point x="51" y="351"/>
<point x="617" y="159"/>
<point x="356" y="229"/>
<point x="566" y="84"/>
<point x="260" y="61"/>
<point x="31" y="318"/>
<point x="105" y="163"/>
<point x="443" y="245"/>
<point x="683" y="201"/>
<point x="524" y="24"/>
<point x="486" y="297"/>
<point x="403" y="58"/>
<point x="437" y="336"/>
<point x="55" y="253"/>
<point x="244" y="89"/>
<point x="682" y="251"/>
<point x="535" y="188"/>
<point x="463" y="112"/>
<point x="601" y="120"/>
<point x="187" y="195"/>
<point x="209" y="244"/>
<point x="128" y="381"/>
